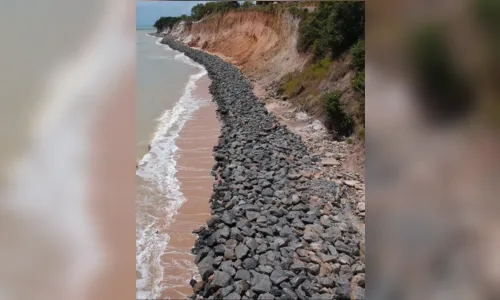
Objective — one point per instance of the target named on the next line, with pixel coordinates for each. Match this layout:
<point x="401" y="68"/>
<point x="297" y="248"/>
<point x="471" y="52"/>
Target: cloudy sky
<point x="147" y="12"/>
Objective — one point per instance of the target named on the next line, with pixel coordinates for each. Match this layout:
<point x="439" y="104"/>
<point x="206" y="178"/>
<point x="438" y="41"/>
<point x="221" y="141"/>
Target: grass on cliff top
<point x="298" y="82"/>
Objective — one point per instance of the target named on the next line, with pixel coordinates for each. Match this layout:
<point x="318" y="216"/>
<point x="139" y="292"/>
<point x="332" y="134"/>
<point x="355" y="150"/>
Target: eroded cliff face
<point x="261" y="44"/>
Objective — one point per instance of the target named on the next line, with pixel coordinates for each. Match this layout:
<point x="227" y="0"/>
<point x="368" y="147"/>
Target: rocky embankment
<point x="275" y="232"/>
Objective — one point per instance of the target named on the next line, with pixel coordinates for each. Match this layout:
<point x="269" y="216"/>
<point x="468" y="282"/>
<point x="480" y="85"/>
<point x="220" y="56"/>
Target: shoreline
<point x="194" y="162"/>
<point x="274" y="231"/>
<point x="167" y="203"/>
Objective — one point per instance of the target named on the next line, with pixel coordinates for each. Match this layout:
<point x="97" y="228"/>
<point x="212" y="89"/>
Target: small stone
<point x="294" y="176"/>
<point x="361" y="206"/>
<point x="297" y="266"/>
<point x="310" y="235"/>
<point x="313" y="268"/>
<point x="350" y="183"/>
<point x="240" y="251"/>
<point x="344" y="259"/>
<point x="268" y="192"/>
<point x="226" y="290"/>
<point x="241" y="286"/>
<point x="290" y="293"/>
<point x="251" y="215"/>
<point x="243" y="274"/>
<point x="233" y="296"/>
<point x="205" y="267"/>
<point x="330" y="162"/>
<point x="342" y="247"/>
<point x="224" y="232"/>
<point x="359" y="279"/>
<point x="221" y="279"/>
<point x="278" y="277"/>
<point x="261" y="248"/>
<point x="227" y="218"/>
<point x="265" y="269"/>
<point x="297" y="280"/>
<point x="265" y="296"/>
<point x="327" y="282"/>
<point x="198" y="286"/>
<point x="326" y="258"/>
<point x="250" y="263"/>
<point x="263" y="285"/>
<point x="358" y="293"/>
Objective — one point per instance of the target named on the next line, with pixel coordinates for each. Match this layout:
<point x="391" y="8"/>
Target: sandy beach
<point x="195" y="161"/>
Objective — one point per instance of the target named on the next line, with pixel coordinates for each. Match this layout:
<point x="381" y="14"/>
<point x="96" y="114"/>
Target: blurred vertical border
<point x="67" y="186"/>
<point x="432" y="145"/>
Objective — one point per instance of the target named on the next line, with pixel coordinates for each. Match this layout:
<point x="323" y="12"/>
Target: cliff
<point x="261" y="44"/>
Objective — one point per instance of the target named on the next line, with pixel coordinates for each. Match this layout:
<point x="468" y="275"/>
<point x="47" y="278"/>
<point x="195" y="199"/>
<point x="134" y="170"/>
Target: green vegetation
<point x="310" y="76"/>
<point x="198" y="12"/>
<point x="358" y="82"/>
<point x="358" y="55"/>
<point x="201" y="10"/>
<point x="168" y="22"/>
<point x="337" y="119"/>
<point x="298" y="13"/>
<point x="332" y="28"/>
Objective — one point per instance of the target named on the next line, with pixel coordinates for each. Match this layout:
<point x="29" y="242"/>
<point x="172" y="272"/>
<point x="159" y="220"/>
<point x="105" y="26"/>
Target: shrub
<point x="358" y="55"/>
<point x="358" y="82"/>
<point x="361" y="133"/>
<point x="337" y="119"/>
<point x="333" y="27"/>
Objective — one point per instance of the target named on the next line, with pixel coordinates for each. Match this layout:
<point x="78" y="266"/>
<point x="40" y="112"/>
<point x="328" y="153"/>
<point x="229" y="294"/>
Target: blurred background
<point x="67" y="186"/>
<point x="67" y="189"/>
<point x="432" y="149"/>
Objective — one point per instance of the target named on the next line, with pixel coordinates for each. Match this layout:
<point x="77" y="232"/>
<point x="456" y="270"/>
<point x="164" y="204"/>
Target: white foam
<point x="158" y="169"/>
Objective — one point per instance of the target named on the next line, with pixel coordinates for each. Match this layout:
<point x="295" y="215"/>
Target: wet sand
<point x="195" y="162"/>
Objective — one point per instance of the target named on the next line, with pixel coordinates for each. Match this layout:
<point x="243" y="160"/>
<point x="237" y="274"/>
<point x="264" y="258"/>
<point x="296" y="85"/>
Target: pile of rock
<point x="267" y="238"/>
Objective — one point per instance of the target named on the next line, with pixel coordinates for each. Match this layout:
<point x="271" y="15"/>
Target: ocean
<point x="166" y="100"/>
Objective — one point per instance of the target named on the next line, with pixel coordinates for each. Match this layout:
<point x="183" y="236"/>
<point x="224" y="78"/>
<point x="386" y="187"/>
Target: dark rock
<point x="226" y="290"/>
<point x="261" y="248"/>
<point x="342" y="248"/>
<point x="217" y="261"/>
<point x="344" y="259"/>
<point x="265" y="296"/>
<point x="297" y="280"/>
<point x="242" y="274"/>
<point x="278" y="277"/>
<point x="250" y="263"/>
<point x="262" y="285"/>
<point x="313" y="268"/>
<point x="198" y="286"/>
<point x="241" y="286"/>
<point x="201" y="255"/>
<point x="297" y="266"/>
<point x="268" y="192"/>
<point x="205" y="267"/>
<point x="241" y="251"/>
<point x="221" y="279"/>
<point x="290" y="293"/>
<point x="265" y="269"/>
<point x="233" y="296"/>
<point x="326" y="258"/>
<point x="227" y="218"/>
<point x="358" y="293"/>
<point x="252" y="215"/>
<point x="327" y="282"/>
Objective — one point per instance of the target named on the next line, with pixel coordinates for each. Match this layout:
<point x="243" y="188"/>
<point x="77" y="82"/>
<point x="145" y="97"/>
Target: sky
<point x="147" y="12"/>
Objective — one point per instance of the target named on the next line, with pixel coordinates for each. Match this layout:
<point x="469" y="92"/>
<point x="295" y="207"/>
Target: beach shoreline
<point x="179" y="157"/>
<point x="195" y="160"/>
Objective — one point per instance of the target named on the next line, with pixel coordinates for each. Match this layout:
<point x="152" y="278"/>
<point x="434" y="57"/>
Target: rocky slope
<point x="275" y="232"/>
